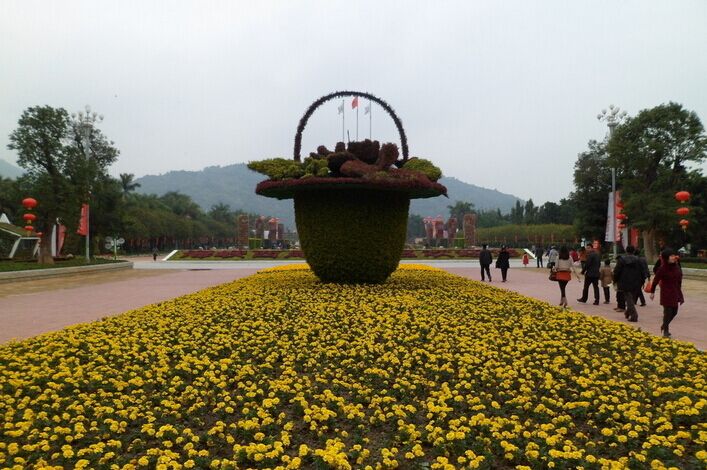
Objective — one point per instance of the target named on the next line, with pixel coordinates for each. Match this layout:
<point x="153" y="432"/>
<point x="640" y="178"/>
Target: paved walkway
<point x="52" y="304"/>
<point x="30" y="308"/>
<point x="690" y="324"/>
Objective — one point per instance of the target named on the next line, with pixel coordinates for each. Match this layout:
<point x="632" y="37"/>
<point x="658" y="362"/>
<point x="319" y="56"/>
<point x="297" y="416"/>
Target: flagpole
<point x="356" y="121"/>
<point x="370" y="121"/>
<point x="343" y="121"/>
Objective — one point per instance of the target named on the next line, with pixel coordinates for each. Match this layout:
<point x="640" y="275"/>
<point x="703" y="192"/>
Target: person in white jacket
<point x="564" y="268"/>
<point x="552" y="257"/>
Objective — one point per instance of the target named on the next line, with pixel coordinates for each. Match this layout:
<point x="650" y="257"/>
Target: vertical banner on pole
<point x="83" y="222"/>
<point x="343" y="121"/>
<point x="354" y="104"/>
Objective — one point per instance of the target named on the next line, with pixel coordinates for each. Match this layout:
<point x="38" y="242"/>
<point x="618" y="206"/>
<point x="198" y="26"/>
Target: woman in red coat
<point x="669" y="276"/>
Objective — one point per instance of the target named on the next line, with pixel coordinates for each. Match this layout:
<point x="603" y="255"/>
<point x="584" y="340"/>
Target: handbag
<point x="553" y="275"/>
<point x="563" y="276"/>
<point x="647" y="286"/>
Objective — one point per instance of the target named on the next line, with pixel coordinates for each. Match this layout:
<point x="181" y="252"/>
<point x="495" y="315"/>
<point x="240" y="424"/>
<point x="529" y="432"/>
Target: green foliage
<point x="278" y="168"/>
<point x="424" y="166"/>
<point x="459" y="209"/>
<point x="527" y="234"/>
<point x="352" y="235"/>
<point x="592" y="182"/>
<point x="651" y="153"/>
<point x="415" y="227"/>
<point x="66" y="159"/>
<point x="316" y="166"/>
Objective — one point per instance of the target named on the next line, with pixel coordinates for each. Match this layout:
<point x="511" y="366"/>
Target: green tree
<point x="40" y="143"/>
<point x="530" y="212"/>
<point x="459" y="209"/>
<point x="128" y="184"/>
<point x="517" y="213"/>
<point x="65" y="157"/>
<point x="652" y="153"/>
<point x="592" y="185"/>
<point x="416" y="227"/>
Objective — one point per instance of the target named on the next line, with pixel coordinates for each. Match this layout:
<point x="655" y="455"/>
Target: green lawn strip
<point x="8" y="266"/>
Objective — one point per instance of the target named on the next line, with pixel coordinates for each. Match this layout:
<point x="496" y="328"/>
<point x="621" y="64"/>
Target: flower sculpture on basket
<point x="366" y="164"/>
<point x="351" y="203"/>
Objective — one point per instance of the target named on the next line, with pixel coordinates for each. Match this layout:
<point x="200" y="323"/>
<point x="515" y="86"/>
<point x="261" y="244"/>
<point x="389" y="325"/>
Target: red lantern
<point x="621" y="216"/>
<point x="622" y="226"/>
<point x="29" y="218"/>
<point x="682" y="196"/>
<point x="620" y="204"/>
<point x="684" y="222"/>
<point x="39" y="234"/>
<point x="29" y="228"/>
<point x="682" y="211"/>
<point x="29" y="203"/>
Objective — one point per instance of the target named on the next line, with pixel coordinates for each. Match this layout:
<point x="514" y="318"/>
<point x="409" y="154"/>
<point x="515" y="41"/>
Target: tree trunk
<point x="45" y="249"/>
<point x="649" y="246"/>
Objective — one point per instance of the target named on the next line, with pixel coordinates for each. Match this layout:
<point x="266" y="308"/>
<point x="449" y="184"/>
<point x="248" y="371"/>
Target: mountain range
<point x="8" y="170"/>
<point x="235" y="185"/>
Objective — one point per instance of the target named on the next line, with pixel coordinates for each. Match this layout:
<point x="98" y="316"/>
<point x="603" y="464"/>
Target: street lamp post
<point x="85" y="122"/>
<point x="613" y="118"/>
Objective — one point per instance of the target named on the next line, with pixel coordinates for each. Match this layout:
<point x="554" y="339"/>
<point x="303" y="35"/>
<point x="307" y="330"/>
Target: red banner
<point x="83" y="222"/>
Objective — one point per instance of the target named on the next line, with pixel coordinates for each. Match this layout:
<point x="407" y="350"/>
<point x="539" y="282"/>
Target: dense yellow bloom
<point x="278" y="370"/>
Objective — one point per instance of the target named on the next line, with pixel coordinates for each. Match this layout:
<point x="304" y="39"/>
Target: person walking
<point x="526" y="260"/>
<point x="582" y="257"/>
<point x="154" y="254"/>
<point x="539" y="252"/>
<point x="564" y="268"/>
<point x="628" y="275"/>
<point x="552" y="257"/>
<point x="646" y="274"/>
<point x="503" y="262"/>
<point x="669" y="277"/>
<point x="591" y="275"/>
<point x="606" y="276"/>
<point x="485" y="260"/>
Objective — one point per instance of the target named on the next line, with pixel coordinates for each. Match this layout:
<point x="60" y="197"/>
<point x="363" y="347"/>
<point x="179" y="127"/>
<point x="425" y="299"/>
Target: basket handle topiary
<point x="341" y="94"/>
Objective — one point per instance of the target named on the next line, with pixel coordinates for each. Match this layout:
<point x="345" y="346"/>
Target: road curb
<point x="57" y="272"/>
<point x="691" y="273"/>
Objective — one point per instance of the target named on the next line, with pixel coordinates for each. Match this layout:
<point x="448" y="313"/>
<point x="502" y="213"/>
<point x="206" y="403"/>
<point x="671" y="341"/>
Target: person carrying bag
<point x="562" y="272"/>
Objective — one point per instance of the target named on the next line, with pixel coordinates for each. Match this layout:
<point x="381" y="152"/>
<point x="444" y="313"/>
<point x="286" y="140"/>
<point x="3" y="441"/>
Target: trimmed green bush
<point x="424" y="166"/>
<point x="352" y="235"/>
<point x="278" y="168"/>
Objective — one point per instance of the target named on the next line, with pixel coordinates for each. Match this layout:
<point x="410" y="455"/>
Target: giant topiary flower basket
<point x="351" y="205"/>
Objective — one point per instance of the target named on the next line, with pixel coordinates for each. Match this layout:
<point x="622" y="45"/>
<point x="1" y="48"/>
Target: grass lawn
<point x="6" y="266"/>
<point x="425" y="371"/>
<point x="694" y="265"/>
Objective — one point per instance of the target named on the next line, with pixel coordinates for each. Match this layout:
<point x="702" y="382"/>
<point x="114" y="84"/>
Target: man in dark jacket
<point x="591" y="275"/>
<point x="628" y="275"/>
<point x="485" y="260"/>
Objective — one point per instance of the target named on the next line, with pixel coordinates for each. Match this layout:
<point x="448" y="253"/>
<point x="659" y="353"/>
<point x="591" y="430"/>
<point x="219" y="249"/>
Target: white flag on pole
<point x="341" y="108"/>
<point x="367" y="109"/>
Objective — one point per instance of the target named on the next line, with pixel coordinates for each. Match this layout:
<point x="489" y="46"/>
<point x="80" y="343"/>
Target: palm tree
<point x="459" y="209"/>
<point x="128" y="184"/>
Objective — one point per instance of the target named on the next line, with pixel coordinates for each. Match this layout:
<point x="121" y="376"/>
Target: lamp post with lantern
<point x="85" y="122"/>
<point x="613" y="117"/>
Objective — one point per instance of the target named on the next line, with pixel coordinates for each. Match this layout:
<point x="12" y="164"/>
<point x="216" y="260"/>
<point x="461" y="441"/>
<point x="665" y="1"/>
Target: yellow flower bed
<point x="427" y="370"/>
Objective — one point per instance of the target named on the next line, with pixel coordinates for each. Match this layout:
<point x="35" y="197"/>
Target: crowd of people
<point x="629" y="277"/>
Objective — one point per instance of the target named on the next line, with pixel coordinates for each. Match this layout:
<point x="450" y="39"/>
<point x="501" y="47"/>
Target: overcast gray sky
<point x="502" y="94"/>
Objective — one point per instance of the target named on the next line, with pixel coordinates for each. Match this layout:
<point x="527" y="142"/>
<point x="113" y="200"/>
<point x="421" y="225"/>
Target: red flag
<point x="354" y="103"/>
<point x="83" y="223"/>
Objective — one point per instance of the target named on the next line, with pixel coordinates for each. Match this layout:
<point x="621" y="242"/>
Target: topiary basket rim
<point x="288" y="188"/>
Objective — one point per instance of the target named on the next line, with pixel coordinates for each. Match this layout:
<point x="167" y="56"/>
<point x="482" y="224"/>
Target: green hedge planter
<point x="352" y="230"/>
